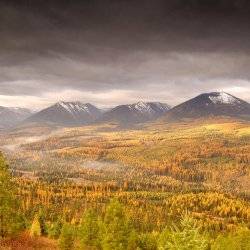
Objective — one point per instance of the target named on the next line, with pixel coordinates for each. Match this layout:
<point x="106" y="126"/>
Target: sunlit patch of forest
<point x="175" y="186"/>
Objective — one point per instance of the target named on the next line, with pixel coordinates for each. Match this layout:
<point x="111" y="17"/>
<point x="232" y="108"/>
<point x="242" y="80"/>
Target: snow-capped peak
<point x="223" y="98"/>
<point x="150" y="107"/>
<point x="142" y="107"/>
<point x="74" y="107"/>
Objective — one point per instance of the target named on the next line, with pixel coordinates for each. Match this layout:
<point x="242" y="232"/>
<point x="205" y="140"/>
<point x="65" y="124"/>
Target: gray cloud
<point x="111" y="52"/>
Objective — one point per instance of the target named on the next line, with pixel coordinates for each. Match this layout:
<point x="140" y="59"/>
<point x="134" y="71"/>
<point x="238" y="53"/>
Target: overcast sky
<point x="110" y="52"/>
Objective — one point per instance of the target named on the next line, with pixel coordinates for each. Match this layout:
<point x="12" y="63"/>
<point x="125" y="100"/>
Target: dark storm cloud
<point x="120" y="51"/>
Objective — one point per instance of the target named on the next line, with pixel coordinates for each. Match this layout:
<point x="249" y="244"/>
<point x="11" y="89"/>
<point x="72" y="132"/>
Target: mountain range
<point x="12" y="116"/>
<point x="67" y="113"/>
<point x="77" y="113"/>
<point x="135" y="113"/>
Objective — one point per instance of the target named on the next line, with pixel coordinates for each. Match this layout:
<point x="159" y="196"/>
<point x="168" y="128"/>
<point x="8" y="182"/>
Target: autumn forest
<point x="175" y="186"/>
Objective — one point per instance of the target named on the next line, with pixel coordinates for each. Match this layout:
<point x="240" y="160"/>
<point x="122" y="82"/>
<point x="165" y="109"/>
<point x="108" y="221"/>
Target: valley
<point x="158" y="173"/>
<point x="206" y="154"/>
<point x="160" y="166"/>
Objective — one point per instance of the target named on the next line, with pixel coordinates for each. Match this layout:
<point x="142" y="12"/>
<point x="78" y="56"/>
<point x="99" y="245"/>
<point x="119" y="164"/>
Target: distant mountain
<point x="210" y="104"/>
<point x="67" y="113"/>
<point x="12" y="116"/>
<point x="135" y="113"/>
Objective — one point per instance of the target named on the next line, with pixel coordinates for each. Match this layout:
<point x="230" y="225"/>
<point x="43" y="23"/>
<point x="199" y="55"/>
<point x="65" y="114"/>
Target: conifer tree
<point x="237" y="241"/>
<point x="184" y="238"/>
<point x="117" y="229"/>
<point x="89" y="231"/>
<point x="10" y="219"/>
<point x="54" y="230"/>
<point x="66" y="239"/>
<point x="133" y="241"/>
<point x="148" y="241"/>
<point x="41" y="218"/>
<point x="35" y="229"/>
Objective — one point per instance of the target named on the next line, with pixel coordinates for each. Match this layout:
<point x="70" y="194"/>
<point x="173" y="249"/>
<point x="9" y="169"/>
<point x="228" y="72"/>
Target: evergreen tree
<point x="238" y="241"/>
<point x="10" y="220"/>
<point x="243" y="238"/>
<point x="66" y="239"/>
<point x="41" y="218"/>
<point x="185" y="238"/>
<point x="54" y="230"/>
<point x="89" y="231"/>
<point x="148" y="241"/>
<point x="133" y="241"/>
<point x="35" y="229"/>
<point x="116" y="228"/>
<point x="225" y="242"/>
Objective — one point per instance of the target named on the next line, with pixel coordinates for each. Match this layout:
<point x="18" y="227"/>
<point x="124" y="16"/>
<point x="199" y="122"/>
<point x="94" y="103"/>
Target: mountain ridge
<point x="135" y="113"/>
<point x="67" y="113"/>
<point x="77" y="113"/>
<point x="11" y="116"/>
<point x="209" y="104"/>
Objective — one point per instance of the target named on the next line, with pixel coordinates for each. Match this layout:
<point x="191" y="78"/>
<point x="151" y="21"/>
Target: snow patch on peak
<point x="223" y="98"/>
<point x="150" y="107"/>
<point x="66" y="106"/>
<point x="161" y="106"/>
<point x="143" y="107"/>
<point x="74" y="107"/>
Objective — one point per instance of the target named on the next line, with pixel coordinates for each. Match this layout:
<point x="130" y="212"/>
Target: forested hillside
<point x="182" y="186"/>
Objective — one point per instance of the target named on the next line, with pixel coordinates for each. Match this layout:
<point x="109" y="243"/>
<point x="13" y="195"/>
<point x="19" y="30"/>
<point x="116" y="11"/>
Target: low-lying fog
<point x="12" y="142"/>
